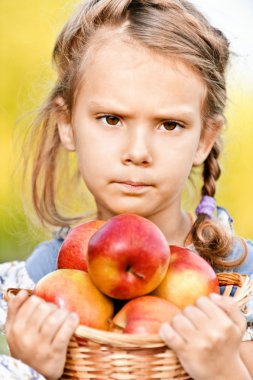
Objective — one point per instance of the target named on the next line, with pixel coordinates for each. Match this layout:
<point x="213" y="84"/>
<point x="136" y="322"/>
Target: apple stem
<point x="140" y="275"/>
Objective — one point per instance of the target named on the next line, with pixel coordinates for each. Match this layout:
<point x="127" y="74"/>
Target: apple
<point x="144" y="315"/>
<point x="189" y="276"/>
<point x="73" y="251"/>
<point x="128" y="256"/>
<point x="140" y="326"/>
<point x="73" y="290"/>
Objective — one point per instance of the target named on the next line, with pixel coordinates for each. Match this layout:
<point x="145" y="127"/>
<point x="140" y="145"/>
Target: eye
<point x="170" y="125"/>
<point x="110" y="120"/>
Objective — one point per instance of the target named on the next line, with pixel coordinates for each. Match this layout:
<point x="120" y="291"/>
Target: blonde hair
<point x="170" y="27"/>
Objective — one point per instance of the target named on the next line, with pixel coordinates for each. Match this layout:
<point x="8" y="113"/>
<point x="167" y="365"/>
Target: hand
<point x="206" y="338"/>
<point x="38" y="333"/>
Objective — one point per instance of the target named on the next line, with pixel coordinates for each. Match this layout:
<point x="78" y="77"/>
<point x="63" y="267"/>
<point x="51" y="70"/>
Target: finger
<point x="197" y="317"/>
<point x="16" y="301"/>
<point x="231" y="308"/>
<point x="171" y="337"/>
<point x="66" y="330"/>
<point x="223" y="313"/>
<point x="14" y="305"/>
<point x="40" y="314"/>
<point x="53" y="324"/>
<point x="184" y="327"/>
<point x="209" y="308"/>
<point x="24" y="318"/>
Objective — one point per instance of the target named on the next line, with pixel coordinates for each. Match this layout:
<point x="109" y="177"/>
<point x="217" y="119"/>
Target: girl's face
<point x="136" y="128"/>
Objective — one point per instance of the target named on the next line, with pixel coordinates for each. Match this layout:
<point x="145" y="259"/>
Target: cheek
<point x="94" y="160"/>
<point x="91" y="149"/>
<point x="178" y="156"/>
<point x="178" y="165"/>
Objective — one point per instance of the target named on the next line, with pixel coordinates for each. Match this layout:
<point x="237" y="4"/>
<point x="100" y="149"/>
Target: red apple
<point x="188" y="277"/>
<point x="73" y="290"/>
<point x="128" y="256"/>
<point x="144" y="315"/>
<point x="73" y="251"/>
<point x="140" y="326"/>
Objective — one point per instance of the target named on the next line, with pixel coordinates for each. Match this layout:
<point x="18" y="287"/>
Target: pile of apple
<point x="121" y="275"/>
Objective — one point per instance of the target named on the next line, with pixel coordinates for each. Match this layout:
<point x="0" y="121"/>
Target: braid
<point x="211" y="170"/>
<point x="209" y="238"/>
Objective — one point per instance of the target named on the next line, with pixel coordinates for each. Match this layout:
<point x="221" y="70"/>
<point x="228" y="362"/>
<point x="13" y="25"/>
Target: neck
<point x="175" y="225"/>
<point x="172" y="221"/>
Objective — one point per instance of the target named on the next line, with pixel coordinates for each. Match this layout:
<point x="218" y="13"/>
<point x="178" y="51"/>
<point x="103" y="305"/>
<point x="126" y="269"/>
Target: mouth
<point x="133" y="187"/>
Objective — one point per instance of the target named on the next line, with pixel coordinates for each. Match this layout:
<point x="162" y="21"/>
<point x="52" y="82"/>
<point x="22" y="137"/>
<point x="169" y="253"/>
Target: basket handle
<point x="12" y="292"/>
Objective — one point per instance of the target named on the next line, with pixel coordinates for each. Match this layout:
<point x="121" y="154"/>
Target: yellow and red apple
<point x="73" y="252"/>
<point x="128" y="256"/>
<point x="73" y="290"/>
<point x="189" y="276"/>
<point x="144" y="315"/>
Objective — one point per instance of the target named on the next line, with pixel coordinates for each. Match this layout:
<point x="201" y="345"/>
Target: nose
<point x="137" y="148"/>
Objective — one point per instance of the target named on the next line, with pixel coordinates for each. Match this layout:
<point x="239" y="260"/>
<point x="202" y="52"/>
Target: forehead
<point x="120" y="66"/>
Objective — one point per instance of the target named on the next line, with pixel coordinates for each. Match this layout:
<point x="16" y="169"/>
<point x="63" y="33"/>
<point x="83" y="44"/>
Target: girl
<point x="139" y="98"/>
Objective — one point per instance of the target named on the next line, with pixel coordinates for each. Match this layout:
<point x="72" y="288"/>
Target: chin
<point x="114" y="204"/>
<point x="130" y="208"/>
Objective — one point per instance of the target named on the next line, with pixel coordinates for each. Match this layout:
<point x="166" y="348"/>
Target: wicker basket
<point x="99" y="355"/>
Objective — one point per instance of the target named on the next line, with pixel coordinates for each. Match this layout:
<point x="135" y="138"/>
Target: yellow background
<point x="28" y="29"/>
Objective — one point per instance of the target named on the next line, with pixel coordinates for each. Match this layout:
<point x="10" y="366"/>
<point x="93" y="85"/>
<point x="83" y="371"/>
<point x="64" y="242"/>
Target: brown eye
<point x="110" y="120"/>
<point x="170" y="125"/>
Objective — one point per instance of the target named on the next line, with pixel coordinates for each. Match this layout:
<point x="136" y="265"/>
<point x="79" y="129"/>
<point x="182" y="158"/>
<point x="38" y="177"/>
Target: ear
<point x="209" y="134"/>
<point x="64" y="125"/>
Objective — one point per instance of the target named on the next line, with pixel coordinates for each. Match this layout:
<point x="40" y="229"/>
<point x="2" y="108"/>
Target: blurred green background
<point x="27" y="31"/>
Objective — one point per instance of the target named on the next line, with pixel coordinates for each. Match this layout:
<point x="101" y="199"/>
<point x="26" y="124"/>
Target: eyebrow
<point x="107" y="105"/>
<point x="177" y="112"/>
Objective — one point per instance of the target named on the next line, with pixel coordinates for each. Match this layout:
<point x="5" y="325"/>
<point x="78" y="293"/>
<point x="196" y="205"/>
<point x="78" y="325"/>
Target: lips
<point x="133" y="183"/>
<point x="133" y="186"/>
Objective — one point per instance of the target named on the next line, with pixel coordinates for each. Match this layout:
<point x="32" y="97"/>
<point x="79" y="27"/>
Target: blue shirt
<point x="43" y="260"/>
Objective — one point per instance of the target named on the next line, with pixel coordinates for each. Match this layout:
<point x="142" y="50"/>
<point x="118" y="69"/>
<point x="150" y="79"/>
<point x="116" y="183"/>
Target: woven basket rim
<point x="119" y="339"/>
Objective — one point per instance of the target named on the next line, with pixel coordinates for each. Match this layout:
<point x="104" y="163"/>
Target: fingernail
<point x="215" y="296"/>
